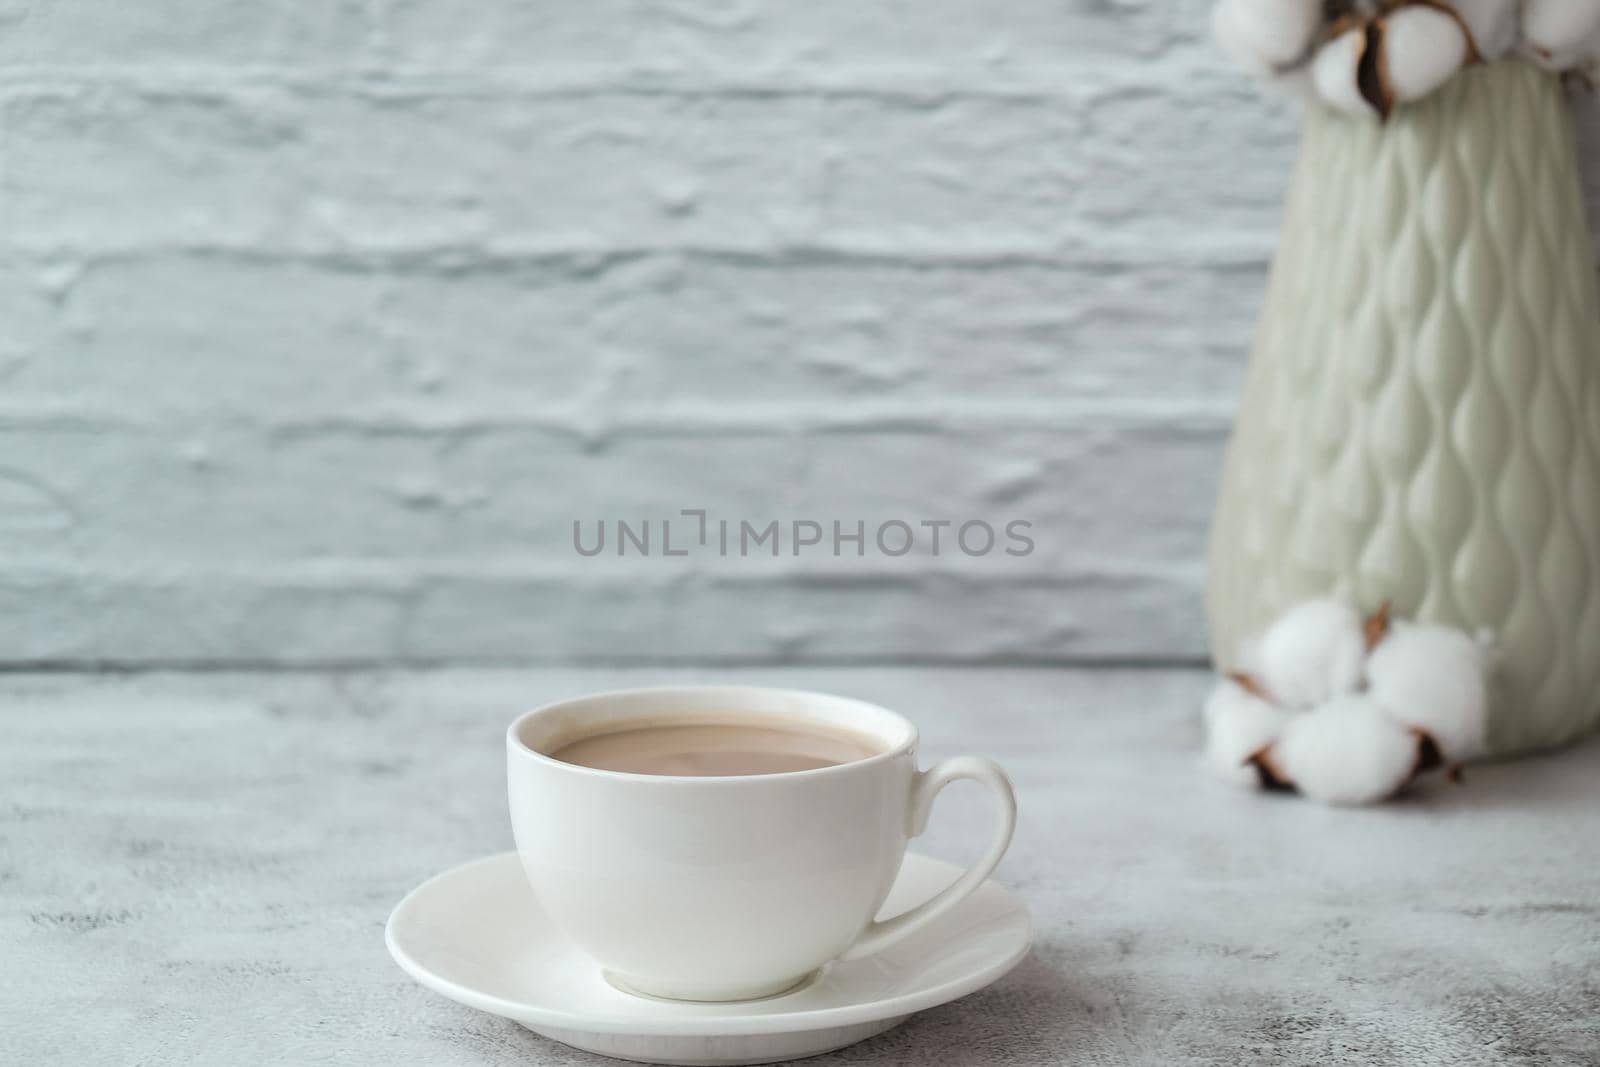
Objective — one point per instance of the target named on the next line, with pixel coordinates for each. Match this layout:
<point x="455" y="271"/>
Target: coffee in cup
<point x="715" y="746"/>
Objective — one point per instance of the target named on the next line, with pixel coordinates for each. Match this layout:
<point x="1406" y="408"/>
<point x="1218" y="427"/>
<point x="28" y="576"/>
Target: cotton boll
<point x="1558" y="33"/>
<point x="1346" y="752"/>
<point x="1424" y="47"/>
<point x="1555" y="24"/>
<point x="1314" y="651"/>
<point x="1263" y="45"/>
<point x="1238" y="725"/>
<point x="1334" y="69"/>
<point x="1248" y="660"/>
<point x="1493" y="24"/>
<point x="1266" y="35"/>
<point x="1434" y="679"/>
<point x="1227" y="26"/>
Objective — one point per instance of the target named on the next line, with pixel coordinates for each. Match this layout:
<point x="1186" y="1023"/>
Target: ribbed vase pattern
<point x="1421" y="419"/>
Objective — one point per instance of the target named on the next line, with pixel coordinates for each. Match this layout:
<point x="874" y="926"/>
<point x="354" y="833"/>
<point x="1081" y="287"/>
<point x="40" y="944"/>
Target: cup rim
<point x="515" y="744"/>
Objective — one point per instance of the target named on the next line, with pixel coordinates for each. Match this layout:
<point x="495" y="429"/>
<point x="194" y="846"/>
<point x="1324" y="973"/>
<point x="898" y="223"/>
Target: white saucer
<point x="477" y="935"/>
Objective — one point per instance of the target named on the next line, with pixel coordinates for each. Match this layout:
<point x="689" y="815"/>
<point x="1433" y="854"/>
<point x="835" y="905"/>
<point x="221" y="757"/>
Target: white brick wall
<point x="321" y="322"/>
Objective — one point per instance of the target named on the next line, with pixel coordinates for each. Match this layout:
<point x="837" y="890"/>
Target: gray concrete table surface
<point x="196" y="869"/>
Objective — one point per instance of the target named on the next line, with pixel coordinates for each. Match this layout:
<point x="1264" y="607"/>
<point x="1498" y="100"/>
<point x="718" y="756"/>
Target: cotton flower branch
<point x="1369" y="56"/>
<point x="1348" y="709"/>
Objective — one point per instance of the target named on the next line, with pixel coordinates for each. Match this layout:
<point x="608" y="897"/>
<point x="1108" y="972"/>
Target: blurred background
<point x="322" y="323"/>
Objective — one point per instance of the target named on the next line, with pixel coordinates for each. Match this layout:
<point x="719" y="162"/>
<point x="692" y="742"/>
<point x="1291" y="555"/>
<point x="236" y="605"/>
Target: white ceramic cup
<point x="728" y="888"/>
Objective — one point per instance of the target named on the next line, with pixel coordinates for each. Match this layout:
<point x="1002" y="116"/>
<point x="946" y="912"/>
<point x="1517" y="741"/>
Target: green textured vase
<point x="1421" y="420"/>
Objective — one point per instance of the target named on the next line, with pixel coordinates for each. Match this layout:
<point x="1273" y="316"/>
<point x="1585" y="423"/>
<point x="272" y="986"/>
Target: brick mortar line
<point x="1066" y="254"/>
<point x="816" y="416"/>
<point x="403" y="577"/>
<point x="334" y="666"/>
<point x="1088" y="83"/>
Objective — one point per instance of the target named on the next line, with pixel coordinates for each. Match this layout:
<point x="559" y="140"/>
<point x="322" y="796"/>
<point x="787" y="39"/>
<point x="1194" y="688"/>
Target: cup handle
<point x="924" y="788"/>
